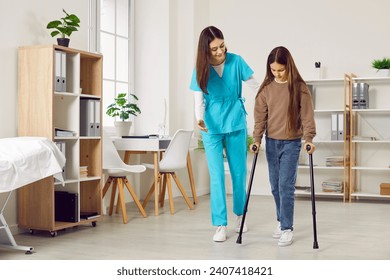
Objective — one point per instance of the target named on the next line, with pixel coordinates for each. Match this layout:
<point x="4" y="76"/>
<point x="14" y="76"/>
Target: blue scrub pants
<point x="282" y="157"/>
<point x="236" y="152"/>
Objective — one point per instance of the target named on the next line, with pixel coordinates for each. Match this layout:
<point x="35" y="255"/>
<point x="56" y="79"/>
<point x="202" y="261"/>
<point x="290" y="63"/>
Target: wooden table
<point x="156" y="146"/>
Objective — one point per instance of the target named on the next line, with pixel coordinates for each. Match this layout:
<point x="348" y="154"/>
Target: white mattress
<point x="24" y="160"/>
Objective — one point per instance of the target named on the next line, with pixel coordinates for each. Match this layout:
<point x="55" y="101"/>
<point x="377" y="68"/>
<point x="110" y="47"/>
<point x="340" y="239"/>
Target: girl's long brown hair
<point x="203" y="57"/>
<point x="283" y="56"/>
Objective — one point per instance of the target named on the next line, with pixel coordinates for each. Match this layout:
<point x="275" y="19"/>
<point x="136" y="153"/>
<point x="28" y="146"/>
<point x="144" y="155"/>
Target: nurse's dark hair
<point x="282" y="55"/>
<point x="203" y="56"/>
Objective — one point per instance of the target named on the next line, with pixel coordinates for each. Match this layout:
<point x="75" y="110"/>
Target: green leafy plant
<point x="122" y="108"/>
<point x="65" y="26"/>
<point x="383" y="63"/>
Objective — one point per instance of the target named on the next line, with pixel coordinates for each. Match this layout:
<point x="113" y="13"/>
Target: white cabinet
<point x="329" y="164"/>
<point x="370" y="140"/>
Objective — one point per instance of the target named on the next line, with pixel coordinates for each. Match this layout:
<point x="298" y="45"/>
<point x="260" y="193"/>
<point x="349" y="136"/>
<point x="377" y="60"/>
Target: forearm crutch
<point x="313" y="198"/>
<point x="254" y="148"/>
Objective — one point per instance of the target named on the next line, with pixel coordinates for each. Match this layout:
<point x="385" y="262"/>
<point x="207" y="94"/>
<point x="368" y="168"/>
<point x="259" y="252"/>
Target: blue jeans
<point x="236" y="153"/>
<point x="282" y="157"/>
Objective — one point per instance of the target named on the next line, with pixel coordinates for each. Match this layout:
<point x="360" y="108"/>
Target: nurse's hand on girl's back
<point x="202" y="125"/>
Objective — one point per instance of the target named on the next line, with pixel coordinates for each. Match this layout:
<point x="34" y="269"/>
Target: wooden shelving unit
<point x="370" y="159"/>
<point x="41" y="110"/>
<point x="328" y="99"/>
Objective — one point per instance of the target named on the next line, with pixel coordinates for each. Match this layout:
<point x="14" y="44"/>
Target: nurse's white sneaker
<point x="238" y="225"/>
<point x="286" y="238"/>
<point x="220" y="234"/>
<point x="277" y="232"/>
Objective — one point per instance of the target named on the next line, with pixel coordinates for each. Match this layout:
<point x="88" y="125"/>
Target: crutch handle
<point x="254" y="147"/>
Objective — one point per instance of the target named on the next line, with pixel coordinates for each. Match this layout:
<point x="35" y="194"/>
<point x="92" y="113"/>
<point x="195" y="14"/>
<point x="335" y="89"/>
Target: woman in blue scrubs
<point x="221" y="116"/>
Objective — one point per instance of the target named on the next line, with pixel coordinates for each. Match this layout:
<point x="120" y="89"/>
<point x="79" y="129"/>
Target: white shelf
<point x="329" y="111"/>
<point x="324" y="81"/>
<point x="329" y="141"/>
<point x="90" y="96"/>
<point x="63" y="93"/>
<point x="371" y="110"/>
<point x="91" y="178"/>
<point x="323" y="167"/>
<point x="370" y="168"/>
<point x="372" y="141"/>
<point x="372" y="79"/>
<point x="369" y="195"/>
<point x="319" y="194"/>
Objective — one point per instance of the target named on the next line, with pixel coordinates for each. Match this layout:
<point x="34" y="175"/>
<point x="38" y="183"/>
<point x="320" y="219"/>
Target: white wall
<point x="23" y="22"/>
<point x="344" y="36"/>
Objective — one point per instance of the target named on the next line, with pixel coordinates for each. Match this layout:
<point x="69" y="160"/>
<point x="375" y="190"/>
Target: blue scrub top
<point x="224" y="105"/>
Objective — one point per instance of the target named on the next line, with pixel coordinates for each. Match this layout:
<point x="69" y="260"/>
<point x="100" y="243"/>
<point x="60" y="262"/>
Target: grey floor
<point x="356" y="231"/>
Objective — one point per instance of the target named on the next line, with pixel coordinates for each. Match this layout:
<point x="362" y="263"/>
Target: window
<point x="113" y="38"/>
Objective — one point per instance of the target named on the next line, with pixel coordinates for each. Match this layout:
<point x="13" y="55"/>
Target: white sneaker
<point x="220" y="234"/>
<point x="277" y="232"/>
<point x="238" y="225"/>
<point x="287" y="238"/>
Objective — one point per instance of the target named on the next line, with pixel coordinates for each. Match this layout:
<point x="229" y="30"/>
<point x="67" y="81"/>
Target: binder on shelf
<point x="340" y="126"/>
<point x="334" y="126"/>
<point x="63" y="71"/>
<point x="87" y="117"/>
<point x="97" y="117"/>
<point x="60" y="71"/>
<point x="57" y="68"/>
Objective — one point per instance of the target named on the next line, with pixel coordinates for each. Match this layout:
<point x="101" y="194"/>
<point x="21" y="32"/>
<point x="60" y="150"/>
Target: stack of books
<point x="59" y="132"/>
<point x="332" y="185"/>
<point x="334" y="161"/>
<point x="83" y="171"/>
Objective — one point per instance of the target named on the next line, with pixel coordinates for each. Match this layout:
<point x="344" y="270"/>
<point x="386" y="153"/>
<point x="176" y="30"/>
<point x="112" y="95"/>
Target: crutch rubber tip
<point x="238" y="241"/>
<point x="315" y="245"/>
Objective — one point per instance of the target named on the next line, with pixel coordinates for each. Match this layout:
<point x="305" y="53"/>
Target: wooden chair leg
<point x="135" y="198"/>
<point x="191" y="177"/>
<point x="113" y="193"/>
<point x="148" y="196"/>
<point x="180" y="186"/>
<point x="107" y="185"/>
<point x="121" y="198"/>
<point x="164" y="186"/>
<point x="171" y="206"/>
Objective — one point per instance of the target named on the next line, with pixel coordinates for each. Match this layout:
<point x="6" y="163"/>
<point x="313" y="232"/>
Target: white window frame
<point x="94" y="40"/>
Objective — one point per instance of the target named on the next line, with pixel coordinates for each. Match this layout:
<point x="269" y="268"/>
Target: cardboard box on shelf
<point x="385" y="188"/>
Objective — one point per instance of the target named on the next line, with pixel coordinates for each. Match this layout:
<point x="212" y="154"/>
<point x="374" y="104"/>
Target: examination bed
<point x="24" y="160"/>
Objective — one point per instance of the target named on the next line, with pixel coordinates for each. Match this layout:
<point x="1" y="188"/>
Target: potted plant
<point x="64" y="27"/>
<point x="123" y="109"/>
<point x="382" y="66"/>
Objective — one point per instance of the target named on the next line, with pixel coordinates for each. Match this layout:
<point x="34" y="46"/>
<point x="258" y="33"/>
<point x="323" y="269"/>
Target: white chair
<point x="175" y="158"/>
<point x="117" y="171"/>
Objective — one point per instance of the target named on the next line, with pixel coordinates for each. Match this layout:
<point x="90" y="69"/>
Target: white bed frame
<point x="6" y="238"/>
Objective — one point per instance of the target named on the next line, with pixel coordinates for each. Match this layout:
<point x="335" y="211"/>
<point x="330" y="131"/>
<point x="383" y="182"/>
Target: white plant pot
<point x="383" y="73"/>
<point x="122" y="128"/>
